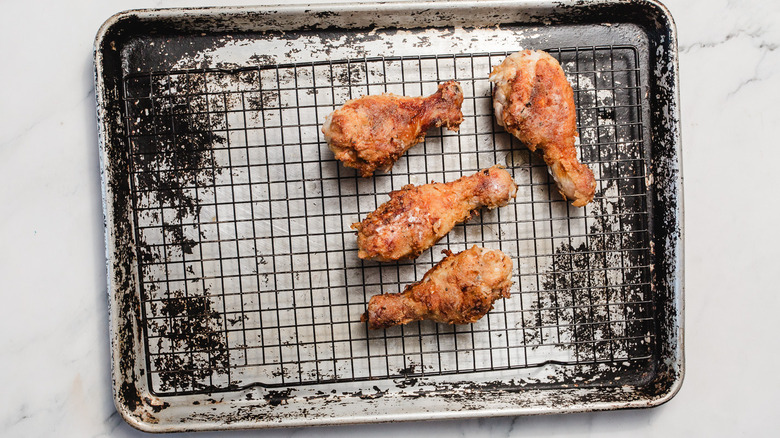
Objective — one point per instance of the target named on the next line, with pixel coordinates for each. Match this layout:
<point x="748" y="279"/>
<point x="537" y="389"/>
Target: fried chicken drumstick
<point x="415" y="218"/>
<point x="372" y="132"/>
<point x="535" y="103"/>
<point x="459" y="290"/>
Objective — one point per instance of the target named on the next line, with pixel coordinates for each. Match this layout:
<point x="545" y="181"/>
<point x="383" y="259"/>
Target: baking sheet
<point x="228" y="220"/>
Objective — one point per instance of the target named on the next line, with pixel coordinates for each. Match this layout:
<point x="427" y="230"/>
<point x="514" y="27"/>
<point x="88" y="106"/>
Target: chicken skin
<point x="535" y="103"/>
<point x="460" y="289"/>
<point x="372" y="132"/>
<point x="416" y="217"/>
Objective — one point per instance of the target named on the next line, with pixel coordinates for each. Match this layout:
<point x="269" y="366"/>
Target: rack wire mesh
<point x="248" y="267"/>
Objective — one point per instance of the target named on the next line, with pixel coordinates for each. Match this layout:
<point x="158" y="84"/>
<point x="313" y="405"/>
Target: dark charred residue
<point x="237" y="319"/>
<point x="420" y="393"/>
<point x="268" y="99"/>
<point x="194" y="329"/>
<point x="318" y="395"/>
<point x="171" y="127"/>
<point x="408" y="370"/>
<point x="666" y="221"/>
<point x="378" y="393"/>
<point x="606" y="113"/>
<point x="156" y="405"/>
<point x="282" y="372"/>
<point x="115" y="147"/>
<point x="598" y="381"/>
<point x="276" y="398"/>
<point x="324" y="14"/>
<point x="129" y="395"/>
<point x="406" y="382"/>
<point x="420" y="12"/>
<point x="424" y="41"/>
<point x="350" y="74"/>
<point x="596" y="294"/>
<point x="323" y="397"/>
<point x="261" y="60"/>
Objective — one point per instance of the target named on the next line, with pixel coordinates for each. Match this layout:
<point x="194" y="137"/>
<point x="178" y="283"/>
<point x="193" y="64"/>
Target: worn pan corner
<point x="138" y="408"/>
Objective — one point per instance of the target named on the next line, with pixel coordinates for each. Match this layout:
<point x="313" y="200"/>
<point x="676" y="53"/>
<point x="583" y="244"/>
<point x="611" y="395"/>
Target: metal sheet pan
<point x="235" y="291"/>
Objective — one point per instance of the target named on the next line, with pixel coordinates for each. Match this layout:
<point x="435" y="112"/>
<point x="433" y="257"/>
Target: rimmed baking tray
<point x="235" y="289"/>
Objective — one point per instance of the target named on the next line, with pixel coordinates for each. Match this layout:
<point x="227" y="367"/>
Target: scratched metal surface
<point x="235" y="281"/>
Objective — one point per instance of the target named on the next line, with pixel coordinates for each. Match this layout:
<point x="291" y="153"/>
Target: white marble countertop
<point x="55" y="380"/>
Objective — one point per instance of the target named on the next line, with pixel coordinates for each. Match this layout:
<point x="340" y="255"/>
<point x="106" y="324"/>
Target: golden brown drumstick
<point x="415" y="218"/>
<point x="372" y="132"/>
<point x="535" y="103"/>
<point x="459" y="290"/>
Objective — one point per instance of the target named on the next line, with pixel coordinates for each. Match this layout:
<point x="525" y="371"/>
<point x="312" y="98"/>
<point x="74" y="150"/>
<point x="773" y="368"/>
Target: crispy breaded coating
<point x="460" y="289"/>
<point x="372" y="132"/>
<point x="535" y="103"/>
<point x="416" y="217"/>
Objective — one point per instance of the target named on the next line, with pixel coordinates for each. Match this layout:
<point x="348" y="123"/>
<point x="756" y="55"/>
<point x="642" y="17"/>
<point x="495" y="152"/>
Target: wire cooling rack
<point x="248" y="267"/>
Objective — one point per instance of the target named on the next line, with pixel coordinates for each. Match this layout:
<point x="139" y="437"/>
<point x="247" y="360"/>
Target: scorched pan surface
<point x="235" y="286"/>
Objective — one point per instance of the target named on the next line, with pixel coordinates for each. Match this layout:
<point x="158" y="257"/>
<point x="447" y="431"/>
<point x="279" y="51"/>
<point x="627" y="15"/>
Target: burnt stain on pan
<point x="173" y="129"/>
<point x="190" y="324"/>
<point x="172" y="135"/>
<point x="170" y="152"/>
<point x="125" y="336"/>
<point x="276" y="398"/>
<point x="597" y="295"/>
<point x="129" y="394"/>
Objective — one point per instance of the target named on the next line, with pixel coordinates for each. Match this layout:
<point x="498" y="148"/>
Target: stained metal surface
<point x="234" y="283"/>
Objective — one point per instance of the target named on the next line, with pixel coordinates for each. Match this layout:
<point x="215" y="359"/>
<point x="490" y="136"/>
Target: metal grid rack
<point x="248" y="267"/>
